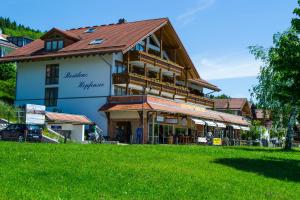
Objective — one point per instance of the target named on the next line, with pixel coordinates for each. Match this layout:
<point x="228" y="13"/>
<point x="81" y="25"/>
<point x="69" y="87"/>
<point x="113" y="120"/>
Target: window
<point x="48" y="46"/>
<point x="54" y="45"/>
<point x="120" y="68"/>
<point x="119" y="91"/>
<point x="90" y="30"/>
<point x="52" y="74"/>
<point x="96" y="41"/>
<point x="60" y="44"/>
<point x="51" y="95"/>
<point x="139" y="47"/>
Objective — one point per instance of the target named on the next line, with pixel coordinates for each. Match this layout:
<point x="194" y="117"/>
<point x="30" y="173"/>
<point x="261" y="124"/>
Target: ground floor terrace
<point x="155" y="120"/>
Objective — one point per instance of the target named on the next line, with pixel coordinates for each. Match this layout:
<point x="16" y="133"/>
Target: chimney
<point x="122" y="21"/>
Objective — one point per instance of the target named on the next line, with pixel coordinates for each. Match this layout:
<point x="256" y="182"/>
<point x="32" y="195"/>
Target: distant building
<point x="264" y="116"/>
<point x="19" y="41"/>
<point x="5" y="46"/>
<point x="236" y="106"/>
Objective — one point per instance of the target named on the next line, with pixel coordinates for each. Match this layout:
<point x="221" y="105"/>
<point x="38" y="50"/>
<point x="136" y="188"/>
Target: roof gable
<point x="61" y="33"/>
<point x="232" y="103"/>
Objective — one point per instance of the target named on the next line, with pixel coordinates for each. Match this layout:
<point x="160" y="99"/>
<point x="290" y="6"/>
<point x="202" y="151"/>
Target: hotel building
<point x="123" y="76"/>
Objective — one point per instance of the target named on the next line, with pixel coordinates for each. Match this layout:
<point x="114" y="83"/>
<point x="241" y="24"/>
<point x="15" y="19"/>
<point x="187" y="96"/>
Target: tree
<point x="7" y="71"/>
<point x="279" y="80"/>
<point x="222" y="96"/>
<point x="7" y="82"/>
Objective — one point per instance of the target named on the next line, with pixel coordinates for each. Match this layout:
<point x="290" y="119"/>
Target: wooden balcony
<point x="146" y="82"/>
<point x="155" y="61"/>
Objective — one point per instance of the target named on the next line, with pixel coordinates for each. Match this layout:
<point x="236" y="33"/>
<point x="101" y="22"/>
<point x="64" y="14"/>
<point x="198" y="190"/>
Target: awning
<point x="220" y="125"/>
<point x="245" y="128"/>
<point x="210" y="123"/>
<point x="198" y="121"/>
<point x="236" y="127"/>
<point x="52" y="117"/>
<point x="159" y="104"/>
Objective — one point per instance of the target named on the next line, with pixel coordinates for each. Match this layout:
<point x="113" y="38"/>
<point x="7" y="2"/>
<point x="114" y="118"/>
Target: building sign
<point x="83" y="84"/>
<point x="56" y="128"/>
<point x="202" y="139"/>
<point x="35" y="114"/>
<point x="217" y="141"/>
<point x="171" y="120"/>
<point x="160" y="118"/>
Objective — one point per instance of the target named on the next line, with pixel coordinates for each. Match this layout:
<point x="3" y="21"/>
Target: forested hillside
<point x="8" y="70"/>
<point x="12" y="28"/>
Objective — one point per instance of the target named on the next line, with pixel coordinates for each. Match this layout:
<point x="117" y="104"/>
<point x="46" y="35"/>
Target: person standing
<point x="139" y="134"/>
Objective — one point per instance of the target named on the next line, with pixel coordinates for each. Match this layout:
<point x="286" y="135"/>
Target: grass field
<point x="73" y="171"/>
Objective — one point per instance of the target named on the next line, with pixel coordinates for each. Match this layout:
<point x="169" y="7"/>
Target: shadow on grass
<point x="263" y="149"/>
<point x="282" y="169"/>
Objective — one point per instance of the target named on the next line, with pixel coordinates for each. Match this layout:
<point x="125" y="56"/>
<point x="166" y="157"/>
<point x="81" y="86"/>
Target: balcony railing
<point x="145" y="82"/>
<point x="155" y="61"/>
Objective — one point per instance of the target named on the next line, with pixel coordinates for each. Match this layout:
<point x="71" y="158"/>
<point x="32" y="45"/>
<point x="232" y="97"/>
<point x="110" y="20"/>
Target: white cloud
<point x="189" y="15"/>
<point x="233" y="65"/>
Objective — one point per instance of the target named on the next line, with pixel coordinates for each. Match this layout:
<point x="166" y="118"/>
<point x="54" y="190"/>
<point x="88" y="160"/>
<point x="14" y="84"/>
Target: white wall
<point x="78" y="133"/>
<point x="72" y="98"/>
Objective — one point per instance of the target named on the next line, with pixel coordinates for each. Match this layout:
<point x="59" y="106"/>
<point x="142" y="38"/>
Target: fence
<point x="11" y="113"/>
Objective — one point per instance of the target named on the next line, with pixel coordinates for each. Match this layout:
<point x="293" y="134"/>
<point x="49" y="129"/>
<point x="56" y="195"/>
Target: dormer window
<point x="96" y="41"/>
<point x="90" y="30"/>
<point x="54" y="45"/>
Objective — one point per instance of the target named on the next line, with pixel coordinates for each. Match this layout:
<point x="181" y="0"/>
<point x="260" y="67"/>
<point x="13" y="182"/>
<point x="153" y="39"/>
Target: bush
<point x="8" y="112"/>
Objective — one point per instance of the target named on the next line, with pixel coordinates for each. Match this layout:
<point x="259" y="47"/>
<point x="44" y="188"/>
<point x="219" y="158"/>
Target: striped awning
<point x="220" y="125"/>
<point x="245" y="128"/>
<point x="210" y="123"/>
<point x="198" y="121"/>
<point x="236" y="127"/>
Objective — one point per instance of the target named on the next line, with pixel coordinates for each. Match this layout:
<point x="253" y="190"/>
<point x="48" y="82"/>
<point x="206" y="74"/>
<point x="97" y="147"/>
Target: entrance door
<point x="124" y="132"/>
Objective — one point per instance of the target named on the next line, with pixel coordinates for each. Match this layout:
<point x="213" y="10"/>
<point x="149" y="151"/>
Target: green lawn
<point x="73" y="171"/>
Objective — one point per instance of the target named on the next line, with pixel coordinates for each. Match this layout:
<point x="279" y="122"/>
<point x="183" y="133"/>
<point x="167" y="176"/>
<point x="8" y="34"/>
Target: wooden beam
<point x="161" y="43"/>
<point x="128" y="60"/>
<point x="174" y="78"/>
<point x="145" y="69"/>
<point x="186" y="76"/>
<point x="127" y="89"/>
<point x="160" y="75"/>
<point x="146" y="45"/>
<point x="108" y="123"/>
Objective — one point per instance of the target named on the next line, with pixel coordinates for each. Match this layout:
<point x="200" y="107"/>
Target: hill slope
<point x="12" y="28"/>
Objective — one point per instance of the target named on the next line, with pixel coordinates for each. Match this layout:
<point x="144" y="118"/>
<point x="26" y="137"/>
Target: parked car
<point x="22" y="132"/>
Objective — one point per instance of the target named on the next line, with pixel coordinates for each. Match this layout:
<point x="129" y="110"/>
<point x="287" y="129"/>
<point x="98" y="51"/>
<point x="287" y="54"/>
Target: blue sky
<point x="216" y="33"/>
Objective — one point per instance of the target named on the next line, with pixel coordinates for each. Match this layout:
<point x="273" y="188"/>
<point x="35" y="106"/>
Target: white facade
<point x="83" y="87"/>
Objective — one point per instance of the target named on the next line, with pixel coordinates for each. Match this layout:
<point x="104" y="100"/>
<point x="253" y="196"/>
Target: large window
<point x="120" y="67"/>
<point x="51" y="95"/>
<point x="52" y="74"/>
<point x="53" y="45"/>
<point x="119" y="91"/>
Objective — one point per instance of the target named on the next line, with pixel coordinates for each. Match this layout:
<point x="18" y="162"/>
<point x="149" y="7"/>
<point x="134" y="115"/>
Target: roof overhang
<point x="64" y="118"/>
<point x="204" y="84"/>
<point x="158" y="104"/>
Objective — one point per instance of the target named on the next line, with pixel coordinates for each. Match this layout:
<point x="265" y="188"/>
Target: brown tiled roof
<point x="117" y="37"/>
<point x="67" y="118"/>
<point x="170" y="106"/>
<point x="232" y="103"/>
<point x="67" y="34"/>
<point x="205" y="84"/>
